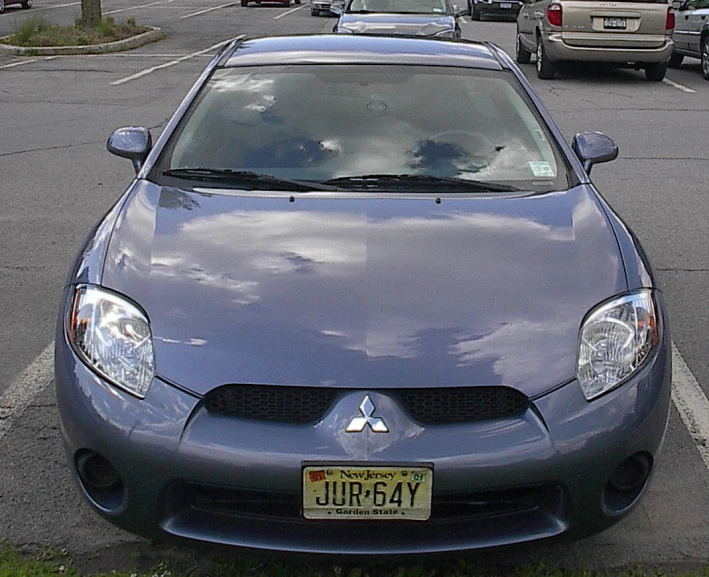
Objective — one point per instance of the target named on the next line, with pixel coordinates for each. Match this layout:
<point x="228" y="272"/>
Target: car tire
<point x="704" y="57"/>
<point x="655" y="72"/>
<point x="675" y="60"/>
<point x="2" y="6"/>
<point x="27" y="4"/>
<point x="244" y="3"/>
<point x="523" y="55"/>
<point x="545" y="67"/>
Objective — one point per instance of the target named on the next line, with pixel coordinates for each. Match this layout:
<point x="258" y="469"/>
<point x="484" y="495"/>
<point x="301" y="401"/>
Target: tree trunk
<point x="90" y="12"/>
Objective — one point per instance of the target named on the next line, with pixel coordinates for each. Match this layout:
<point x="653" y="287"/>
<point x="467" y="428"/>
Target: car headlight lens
<point x="113" y="336"/>
<point x="615" y="339"/>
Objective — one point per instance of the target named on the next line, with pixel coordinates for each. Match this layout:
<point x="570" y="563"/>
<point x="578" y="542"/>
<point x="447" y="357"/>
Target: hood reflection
<point x="369" y="293"/>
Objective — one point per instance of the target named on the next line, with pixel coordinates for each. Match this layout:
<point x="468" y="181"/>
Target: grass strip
<point x="52" y="564"/>
<point x="37" y="32"/>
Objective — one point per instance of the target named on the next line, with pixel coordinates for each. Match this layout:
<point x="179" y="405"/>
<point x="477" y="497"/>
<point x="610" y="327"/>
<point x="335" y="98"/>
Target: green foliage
<point x="30" y="28"/>
<point x="37" y="32"/>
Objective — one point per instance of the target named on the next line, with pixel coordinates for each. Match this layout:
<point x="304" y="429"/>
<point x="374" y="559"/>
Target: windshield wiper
<point x="419" y="182"/>
<point x="247" y="178"/>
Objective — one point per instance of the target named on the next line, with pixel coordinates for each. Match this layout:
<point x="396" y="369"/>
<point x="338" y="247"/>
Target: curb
<point x="153" y="35"/>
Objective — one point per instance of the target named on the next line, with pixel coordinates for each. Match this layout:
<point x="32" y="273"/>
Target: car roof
<point x="361" y="49"/>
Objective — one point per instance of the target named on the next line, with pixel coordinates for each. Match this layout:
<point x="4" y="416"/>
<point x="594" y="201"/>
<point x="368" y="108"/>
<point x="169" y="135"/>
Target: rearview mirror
<point x="677" y="4"/>
<point x="594" y="148"/>
<point x="133" y="143"/>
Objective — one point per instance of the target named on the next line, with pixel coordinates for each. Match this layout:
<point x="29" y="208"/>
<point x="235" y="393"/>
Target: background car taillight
<point x="670" y="22"/>
<point x="554" y="14"/>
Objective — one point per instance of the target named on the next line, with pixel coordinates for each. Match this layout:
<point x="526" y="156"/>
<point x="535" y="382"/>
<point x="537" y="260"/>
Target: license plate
<point x="343" y="492"/>
<point x="618" y="23"/>
<point x="506" y="6"/>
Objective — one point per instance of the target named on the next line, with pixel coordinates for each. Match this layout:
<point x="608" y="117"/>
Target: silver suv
<point x="692" y="34"/>
<point x="635" y="33"/>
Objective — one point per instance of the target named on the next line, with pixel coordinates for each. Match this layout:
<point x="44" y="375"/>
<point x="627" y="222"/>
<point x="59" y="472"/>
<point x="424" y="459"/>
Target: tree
<point x="90" y="12"/>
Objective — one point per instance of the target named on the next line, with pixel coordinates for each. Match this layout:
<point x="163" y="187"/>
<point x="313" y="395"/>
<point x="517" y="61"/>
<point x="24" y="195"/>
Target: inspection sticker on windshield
<point x="541" y="169"/>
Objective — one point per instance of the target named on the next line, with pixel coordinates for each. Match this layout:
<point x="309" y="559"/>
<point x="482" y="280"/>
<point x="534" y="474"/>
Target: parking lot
<point x="58" y="180"/>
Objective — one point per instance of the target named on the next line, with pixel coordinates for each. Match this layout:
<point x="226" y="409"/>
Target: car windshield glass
<point x="399" y="6"/>
<point x="319" y="123"/>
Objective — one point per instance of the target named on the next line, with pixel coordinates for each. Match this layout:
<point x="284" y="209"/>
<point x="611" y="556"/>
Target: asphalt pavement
<point x="56" y="181"/>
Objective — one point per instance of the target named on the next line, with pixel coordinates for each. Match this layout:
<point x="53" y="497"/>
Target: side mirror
<point x="677" y="4"/>
<point x="133" y="143"/>
<point x="593" y="148"/>
<point x="335" y="8"/>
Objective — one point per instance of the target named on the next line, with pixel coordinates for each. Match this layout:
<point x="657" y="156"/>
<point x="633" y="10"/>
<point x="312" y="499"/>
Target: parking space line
<point x="290" y="11"/>
<point x="37" y="8"/>
<point x="19" y="63"/>
<point x="138" y="7"/>
<point x="173" y="62"/>
<point x="692" y="404"/>
<point x="208" y="10"/>
<point x="678" y="86"/>
<point x="28" y="62"/>
<point x="22" y="391"/>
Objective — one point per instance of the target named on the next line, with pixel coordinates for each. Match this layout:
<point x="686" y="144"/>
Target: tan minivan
<point x="632" y="33"/>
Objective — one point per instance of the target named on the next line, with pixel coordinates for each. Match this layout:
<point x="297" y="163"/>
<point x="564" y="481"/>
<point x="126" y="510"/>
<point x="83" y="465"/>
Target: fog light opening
<point x="626" y="483"/>
<point x="100" y="480"/>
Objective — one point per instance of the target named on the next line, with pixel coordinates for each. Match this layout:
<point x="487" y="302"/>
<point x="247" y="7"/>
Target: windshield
<point x="399" y="6"/>
<point x="317" y="123"/>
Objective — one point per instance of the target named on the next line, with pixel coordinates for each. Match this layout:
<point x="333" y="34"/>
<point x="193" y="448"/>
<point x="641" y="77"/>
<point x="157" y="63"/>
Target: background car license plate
<point x="506" y="6"/>
<point x="367" y="493"/>
<point x="619" y="23"/>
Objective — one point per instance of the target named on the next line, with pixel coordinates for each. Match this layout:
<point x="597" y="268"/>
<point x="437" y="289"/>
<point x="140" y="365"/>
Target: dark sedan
<point x="395" y="319"/>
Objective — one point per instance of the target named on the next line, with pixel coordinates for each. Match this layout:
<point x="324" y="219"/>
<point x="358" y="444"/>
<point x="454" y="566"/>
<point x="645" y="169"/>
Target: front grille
<point x="449" y="405"/>
<point x="444" y="507"/>
<point x="428" y="406"/>
<point x="271" y="403"/>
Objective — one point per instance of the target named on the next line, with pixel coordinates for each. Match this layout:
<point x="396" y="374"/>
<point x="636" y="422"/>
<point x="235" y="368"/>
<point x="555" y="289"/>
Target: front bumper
<point x="188" y="473"/>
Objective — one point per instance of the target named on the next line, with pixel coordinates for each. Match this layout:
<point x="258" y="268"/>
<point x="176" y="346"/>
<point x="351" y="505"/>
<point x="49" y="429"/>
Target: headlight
<point x="112" y="336"/>
<point x="615" y="339"/>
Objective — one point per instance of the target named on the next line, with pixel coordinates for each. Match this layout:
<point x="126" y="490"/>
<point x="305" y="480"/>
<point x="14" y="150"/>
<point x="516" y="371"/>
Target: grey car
<point x="691" y="35"/>
<point x="494" y="8"/>
<point x="434" y="18"/>
<point x="368" y="325"/>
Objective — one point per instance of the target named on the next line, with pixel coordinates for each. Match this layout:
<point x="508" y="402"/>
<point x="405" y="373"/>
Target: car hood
<point x="365" y="292"/>
<point x="406" y="24"/>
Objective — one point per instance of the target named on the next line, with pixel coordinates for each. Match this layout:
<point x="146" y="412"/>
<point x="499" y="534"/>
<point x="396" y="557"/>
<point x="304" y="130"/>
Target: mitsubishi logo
<point x="358" y="424"/>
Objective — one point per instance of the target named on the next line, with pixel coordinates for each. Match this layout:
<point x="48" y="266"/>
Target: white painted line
<point x="678" y="86"/>
<point x="22" y="391"/>
<point x="692" y="404"/>
<point x="209" y="10"/>
<point x="137" y="7"/>
<point x="290" y="11"/>
<point x="28" y="62"/>
<point x="173" y="62"/>
<point x="19" y="63"/>
<point x="37" y="8"/>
